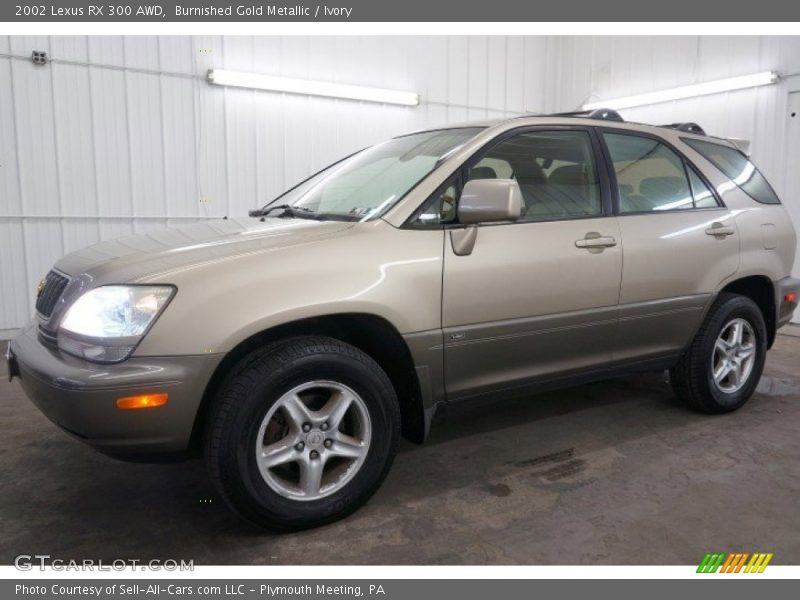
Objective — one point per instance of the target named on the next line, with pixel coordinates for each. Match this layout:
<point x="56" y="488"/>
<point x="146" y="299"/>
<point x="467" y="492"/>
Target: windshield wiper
<point x="288" y="211"/>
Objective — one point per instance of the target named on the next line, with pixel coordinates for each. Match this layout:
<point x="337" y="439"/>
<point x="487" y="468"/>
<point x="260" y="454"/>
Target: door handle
<point x="595" y="240"/>
<point x="717" y="229"/>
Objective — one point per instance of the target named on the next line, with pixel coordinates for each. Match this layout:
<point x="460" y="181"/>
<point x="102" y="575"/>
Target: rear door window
<point x="651" y="177"/>
<point x="703" y="196"/>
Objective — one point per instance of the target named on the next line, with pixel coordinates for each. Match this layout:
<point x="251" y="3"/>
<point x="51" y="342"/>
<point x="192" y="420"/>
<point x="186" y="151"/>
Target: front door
<point x="535" y="299"/>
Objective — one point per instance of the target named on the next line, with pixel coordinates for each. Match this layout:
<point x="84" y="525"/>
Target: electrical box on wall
<point x="39" y="57"/>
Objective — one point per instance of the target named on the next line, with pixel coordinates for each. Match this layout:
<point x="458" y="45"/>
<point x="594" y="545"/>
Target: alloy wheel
<point x="313" y="440"/>
<point x="734" y="356"/>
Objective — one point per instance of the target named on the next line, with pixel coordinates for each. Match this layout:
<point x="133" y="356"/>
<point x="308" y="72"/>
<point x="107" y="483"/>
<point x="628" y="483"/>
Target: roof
<point x="606" y="116"/>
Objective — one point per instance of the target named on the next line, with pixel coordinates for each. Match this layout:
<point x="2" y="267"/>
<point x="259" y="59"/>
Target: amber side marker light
<point x="790" y="297"/>
<point x="143" y="401"/>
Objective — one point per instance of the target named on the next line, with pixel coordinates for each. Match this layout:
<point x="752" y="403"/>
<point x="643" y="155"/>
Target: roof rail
<point x="686" y="128"/>
<point x="605" y="114"/>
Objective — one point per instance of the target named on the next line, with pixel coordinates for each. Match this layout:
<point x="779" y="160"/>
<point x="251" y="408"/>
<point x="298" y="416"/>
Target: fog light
<point x="143" y="401"/>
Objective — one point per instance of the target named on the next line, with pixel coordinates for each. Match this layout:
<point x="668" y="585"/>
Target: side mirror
<point x="489" y="201"/>
<point x="484" y="201"/>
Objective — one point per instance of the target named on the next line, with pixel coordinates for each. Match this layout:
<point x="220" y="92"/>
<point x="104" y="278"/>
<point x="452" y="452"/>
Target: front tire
<point x="301" y="433"/>
<point x="719" y="372"/>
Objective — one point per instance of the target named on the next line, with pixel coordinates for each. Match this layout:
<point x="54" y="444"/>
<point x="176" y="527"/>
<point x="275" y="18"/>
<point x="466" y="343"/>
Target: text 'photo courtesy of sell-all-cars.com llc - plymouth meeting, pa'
<point x="292" y="348"/>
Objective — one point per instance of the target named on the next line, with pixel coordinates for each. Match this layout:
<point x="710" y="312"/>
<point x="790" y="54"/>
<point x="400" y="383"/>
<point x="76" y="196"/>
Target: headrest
<point x="569" y="175"/>
<point x="671" y="187"/>
<point x="529" y="172"/>
<point x="482" y="173"/>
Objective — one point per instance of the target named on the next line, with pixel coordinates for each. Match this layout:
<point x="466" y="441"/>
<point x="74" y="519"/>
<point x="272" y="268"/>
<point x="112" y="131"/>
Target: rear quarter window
<point x="738" y="168"/>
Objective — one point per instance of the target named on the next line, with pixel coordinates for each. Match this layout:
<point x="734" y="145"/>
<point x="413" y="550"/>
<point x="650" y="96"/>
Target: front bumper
<point x="80" y="397"/>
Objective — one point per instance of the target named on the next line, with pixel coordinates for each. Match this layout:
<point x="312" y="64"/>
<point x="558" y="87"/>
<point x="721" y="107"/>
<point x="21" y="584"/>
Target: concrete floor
<point x="610" y="473"/>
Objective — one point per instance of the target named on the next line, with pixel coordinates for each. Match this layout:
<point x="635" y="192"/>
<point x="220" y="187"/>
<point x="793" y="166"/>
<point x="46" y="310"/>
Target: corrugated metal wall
<point x="123" y="134"/>
<point x="613" y="67"/>
<point x="118" y="135"/>
<point x="593" y="68"/>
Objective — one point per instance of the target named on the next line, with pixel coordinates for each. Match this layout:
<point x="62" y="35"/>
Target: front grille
<point x="54" y="285"/>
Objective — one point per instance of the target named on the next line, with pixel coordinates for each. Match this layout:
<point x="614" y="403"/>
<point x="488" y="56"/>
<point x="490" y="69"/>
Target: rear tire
<point x="719" y="372"/>
<point x="301" y="433"/>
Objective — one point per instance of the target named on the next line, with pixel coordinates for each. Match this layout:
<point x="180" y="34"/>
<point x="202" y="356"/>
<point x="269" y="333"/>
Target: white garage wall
<point x="119" y="135"/>
<point x="612" y="67"/>
<point x="616" y="66"/>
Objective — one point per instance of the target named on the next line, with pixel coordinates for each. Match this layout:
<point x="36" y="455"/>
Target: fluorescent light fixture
<point x="311" y="88"/>
<point x="688" y="91"/>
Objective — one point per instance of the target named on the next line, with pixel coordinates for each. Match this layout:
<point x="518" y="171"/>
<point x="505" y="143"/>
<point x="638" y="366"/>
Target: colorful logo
<point x="734" y="563"/>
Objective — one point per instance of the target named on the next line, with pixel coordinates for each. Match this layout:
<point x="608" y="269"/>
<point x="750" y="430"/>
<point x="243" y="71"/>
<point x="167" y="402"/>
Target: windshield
<point x="363" y="186"/>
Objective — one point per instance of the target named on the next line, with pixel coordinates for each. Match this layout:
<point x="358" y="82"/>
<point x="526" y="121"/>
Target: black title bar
<point x="403" y="11"/>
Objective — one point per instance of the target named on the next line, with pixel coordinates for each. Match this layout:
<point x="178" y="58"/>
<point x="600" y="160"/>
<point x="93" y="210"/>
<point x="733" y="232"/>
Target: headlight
<point x="106" y="323"/>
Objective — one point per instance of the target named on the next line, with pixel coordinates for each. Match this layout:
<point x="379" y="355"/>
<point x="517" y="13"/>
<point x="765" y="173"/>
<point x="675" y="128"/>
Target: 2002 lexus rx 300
<point x="292" y="347"/>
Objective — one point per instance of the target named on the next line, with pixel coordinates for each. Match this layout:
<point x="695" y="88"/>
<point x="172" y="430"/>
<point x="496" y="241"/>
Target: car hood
<point x="148" y="256"/>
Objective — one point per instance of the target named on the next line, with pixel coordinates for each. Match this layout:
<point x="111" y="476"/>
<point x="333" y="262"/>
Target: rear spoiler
<point x="743" y="145"/>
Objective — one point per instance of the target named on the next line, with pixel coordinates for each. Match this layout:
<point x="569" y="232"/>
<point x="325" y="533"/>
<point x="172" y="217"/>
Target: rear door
<point x="679" y="242"/>
<point x="535" y="299"/>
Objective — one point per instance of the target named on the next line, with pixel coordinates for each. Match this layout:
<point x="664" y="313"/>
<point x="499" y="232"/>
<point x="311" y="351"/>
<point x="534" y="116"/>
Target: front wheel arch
<point x="303" y="378"/>
<point x="373" y="335"/>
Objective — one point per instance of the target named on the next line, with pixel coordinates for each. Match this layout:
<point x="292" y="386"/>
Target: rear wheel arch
<point x="731" y="341"/>
<point x="373" y="335"/>
<point x="760" y="290"/>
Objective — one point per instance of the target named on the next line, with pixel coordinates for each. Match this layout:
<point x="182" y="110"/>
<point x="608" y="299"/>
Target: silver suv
<point x="293" y="347"/>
